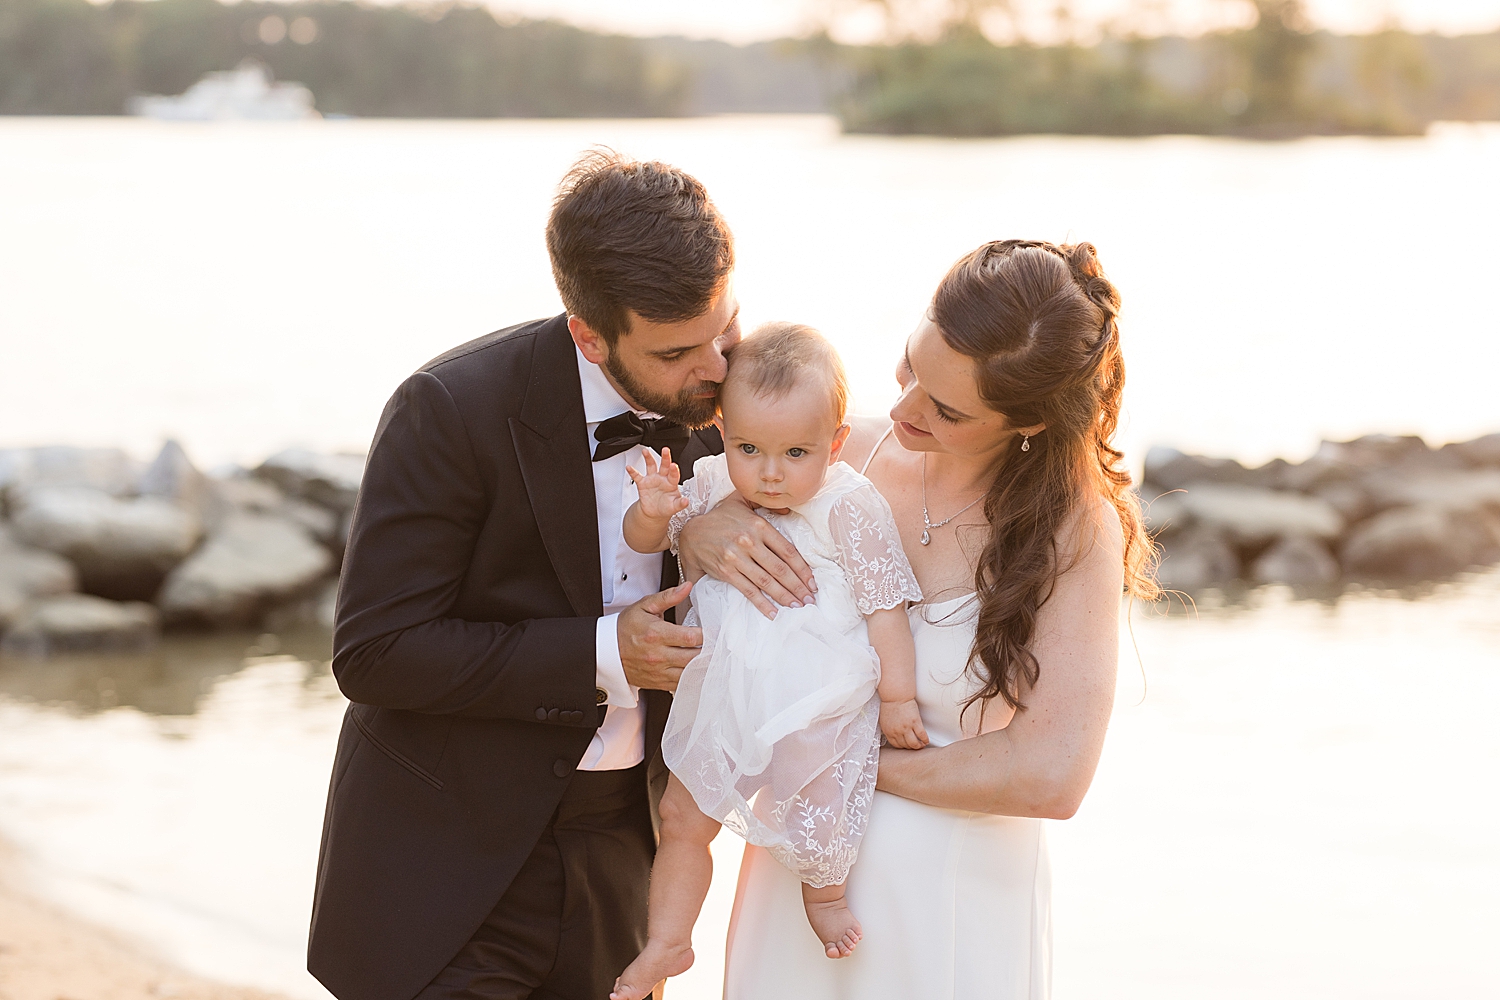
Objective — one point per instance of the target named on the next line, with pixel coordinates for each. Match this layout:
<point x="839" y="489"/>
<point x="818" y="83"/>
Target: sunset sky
<point x="740" y="21"/>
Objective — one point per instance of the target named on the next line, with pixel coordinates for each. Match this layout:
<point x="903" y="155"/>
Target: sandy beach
<point x="46" y="954"/>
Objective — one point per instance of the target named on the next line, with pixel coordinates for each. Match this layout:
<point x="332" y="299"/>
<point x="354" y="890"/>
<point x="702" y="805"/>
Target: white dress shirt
<point x="626" y="576"/>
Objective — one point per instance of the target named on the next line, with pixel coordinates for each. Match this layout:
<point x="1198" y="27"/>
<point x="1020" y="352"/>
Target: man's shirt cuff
<point x="609" y="672"/>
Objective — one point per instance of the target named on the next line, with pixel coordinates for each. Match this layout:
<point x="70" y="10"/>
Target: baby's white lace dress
<point x="775" y="725"/>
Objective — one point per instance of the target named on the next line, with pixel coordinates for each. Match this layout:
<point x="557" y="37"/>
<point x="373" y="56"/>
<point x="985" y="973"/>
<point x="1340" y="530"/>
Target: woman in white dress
<point x="1022" y="532"/>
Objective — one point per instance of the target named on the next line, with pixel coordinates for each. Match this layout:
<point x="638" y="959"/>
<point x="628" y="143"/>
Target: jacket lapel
<point x="551" y="442"/>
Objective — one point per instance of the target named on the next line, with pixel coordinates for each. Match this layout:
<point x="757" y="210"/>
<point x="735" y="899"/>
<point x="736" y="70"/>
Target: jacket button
<point x="561" y="768"/>
<point x="601" y="696"/>
<point x="574" y="717"/>
<point x="541" y="715"/>
<point x="553" y="714"/>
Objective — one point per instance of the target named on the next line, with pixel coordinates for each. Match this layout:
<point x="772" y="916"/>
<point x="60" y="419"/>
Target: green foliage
<point x="456" y="59"/>
<point x="453" y="60"/>
<point x="1275" y="79"/>
<point x="964" y="85"/>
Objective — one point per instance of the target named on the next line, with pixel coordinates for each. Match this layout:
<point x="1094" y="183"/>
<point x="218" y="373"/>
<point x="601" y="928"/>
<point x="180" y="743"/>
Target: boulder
<point x="243" y="494"/>
<point x="1465" y="490"/>
<point x="250" y="564"/>
<point x="329" y="480"/>
<point x="1250" y="516"/>
<point x="78" y="623"/>
<point x="27" y="574"/>
<point x="1482" y="452"/>
<point x="1170" y="469"/>
<point x="1197" y="558"/>
<point x="1351" y="499"/>
<point x="1416" y="543"/>
<point x="108" y="469"/>
<point x="1296" y="560"/>
<point x="172" y="476"/>
<point x="121" y="548"/>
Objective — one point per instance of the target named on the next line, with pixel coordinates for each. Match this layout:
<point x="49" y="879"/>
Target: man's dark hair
<point x="642" y="237"/>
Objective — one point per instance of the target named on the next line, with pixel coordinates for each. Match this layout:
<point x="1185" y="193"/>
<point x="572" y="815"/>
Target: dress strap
<point x="864" y="468"/>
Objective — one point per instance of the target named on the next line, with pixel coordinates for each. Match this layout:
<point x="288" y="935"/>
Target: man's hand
<point x="654" y="651"/>
<point x="657" y="486"/>
<point x="734" y="544"/>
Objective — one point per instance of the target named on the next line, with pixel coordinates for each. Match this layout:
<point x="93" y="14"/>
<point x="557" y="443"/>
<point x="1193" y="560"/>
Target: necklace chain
<point x="930" y="526"/>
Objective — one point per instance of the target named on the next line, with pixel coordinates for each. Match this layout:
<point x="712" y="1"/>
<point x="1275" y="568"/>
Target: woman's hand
<point x="734" y="544"/>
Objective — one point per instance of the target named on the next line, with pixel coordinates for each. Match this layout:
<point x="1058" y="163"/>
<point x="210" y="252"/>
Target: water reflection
<point x="1299" y="801"/>
<point x="172" y="679"/>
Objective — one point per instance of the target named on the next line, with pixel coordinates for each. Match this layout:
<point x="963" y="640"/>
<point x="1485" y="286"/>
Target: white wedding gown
<point x="955" y="905"/>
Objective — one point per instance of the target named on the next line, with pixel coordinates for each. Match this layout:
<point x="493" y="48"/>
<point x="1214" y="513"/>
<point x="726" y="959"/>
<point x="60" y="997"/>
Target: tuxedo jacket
<point x="465" y="641"/>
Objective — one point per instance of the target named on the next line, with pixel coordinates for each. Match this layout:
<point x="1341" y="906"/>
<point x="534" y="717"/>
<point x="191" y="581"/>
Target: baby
<point x="786" y="711"/>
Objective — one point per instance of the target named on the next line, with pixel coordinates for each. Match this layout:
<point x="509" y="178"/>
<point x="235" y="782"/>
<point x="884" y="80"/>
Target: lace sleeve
<point x="699" y="492"/>
<point x="870" y="551"/>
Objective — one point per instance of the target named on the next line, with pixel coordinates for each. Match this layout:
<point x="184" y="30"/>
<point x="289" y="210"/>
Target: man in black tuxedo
<point x="489" y="830"/>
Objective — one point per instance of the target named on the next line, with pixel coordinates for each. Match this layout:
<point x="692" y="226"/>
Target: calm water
<point x="1302" y="806"/>
<point x="248" y="285"/>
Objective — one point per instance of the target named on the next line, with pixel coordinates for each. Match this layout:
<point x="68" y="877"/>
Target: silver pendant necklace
<point x="927" y="532"/>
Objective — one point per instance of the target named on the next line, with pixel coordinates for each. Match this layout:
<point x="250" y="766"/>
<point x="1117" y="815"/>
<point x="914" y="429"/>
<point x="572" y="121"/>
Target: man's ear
<point x="839" y="437"/>
<point x="590" y="342"/>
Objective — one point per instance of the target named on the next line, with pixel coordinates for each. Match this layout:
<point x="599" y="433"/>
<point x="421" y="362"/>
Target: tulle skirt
<point x="775" y="729"/>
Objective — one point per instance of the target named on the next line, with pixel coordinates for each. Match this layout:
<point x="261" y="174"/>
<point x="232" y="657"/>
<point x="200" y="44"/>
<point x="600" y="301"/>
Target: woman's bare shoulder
<point x="1096" y="536"/>
<point x="864" y="433"/>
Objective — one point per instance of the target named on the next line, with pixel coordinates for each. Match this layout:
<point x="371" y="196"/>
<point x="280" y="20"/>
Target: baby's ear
<point x="839" y="437"/>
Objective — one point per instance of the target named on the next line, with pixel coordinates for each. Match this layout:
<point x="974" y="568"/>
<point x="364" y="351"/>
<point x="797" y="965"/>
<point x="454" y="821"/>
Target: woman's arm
<point x="1042" y="763"/>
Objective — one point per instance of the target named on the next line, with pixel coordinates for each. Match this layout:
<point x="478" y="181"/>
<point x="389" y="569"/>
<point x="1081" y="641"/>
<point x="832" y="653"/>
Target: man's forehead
<point x="656" y="336"/>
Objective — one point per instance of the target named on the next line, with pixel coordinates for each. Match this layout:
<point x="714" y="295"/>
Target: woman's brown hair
<point x="1039" y="320"/>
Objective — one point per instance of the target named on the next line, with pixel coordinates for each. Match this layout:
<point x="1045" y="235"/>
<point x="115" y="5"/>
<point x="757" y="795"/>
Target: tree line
<point x="454" y="59"/>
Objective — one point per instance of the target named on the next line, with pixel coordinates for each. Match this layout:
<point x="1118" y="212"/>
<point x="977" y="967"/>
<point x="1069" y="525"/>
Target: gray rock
<point x="1416" y="543"/>
<point x="121" y="548"/>
<point x="1483" y="451"/>
<point x="1170" y="469"/>
<point x="80" y="623"/>
<point x="257" y="496"/>
<point x="329" y="480"/>
<point x="251" y="564"/>
<point x="1298" y="561"/>
<point x="27" y="574"/>
<point x="1352" y="500"/>
<point x="1466" y="490"/>
<point x="1249" y="516"/>
<point x="172" y="476"/>
<point x="108" y="469"/>
<point x="1197" y="558"/>
<point x="1377" y="450"/>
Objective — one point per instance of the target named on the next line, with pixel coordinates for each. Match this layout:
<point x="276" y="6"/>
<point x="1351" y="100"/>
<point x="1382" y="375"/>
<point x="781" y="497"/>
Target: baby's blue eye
<point x="747" y="449"/>
<point x="796" y="452"/>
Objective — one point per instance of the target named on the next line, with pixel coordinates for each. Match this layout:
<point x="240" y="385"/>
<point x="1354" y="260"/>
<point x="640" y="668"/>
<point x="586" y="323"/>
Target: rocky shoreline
<point x="1379" y="509"/>
<point x="99" y="552"/>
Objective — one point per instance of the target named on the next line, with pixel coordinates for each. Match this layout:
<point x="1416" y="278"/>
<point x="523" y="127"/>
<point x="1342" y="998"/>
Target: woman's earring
<point x="1025" y="442"/>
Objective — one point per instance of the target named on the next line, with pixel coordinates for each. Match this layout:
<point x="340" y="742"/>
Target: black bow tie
<point x="623" y="432"/>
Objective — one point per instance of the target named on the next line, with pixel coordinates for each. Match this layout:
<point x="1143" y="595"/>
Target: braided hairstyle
<point x="1039" y="320"/>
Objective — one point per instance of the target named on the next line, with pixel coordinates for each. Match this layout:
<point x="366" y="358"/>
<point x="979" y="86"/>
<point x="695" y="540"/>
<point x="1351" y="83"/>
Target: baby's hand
<point x="902" y="724"/>
<point x="660" y="497"/>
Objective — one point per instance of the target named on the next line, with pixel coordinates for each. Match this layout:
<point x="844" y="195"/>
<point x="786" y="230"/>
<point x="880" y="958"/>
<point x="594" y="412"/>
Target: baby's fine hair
<point x="776" y="357"/>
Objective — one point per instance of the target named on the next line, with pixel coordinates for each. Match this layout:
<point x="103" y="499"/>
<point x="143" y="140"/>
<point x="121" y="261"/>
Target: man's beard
<point x="686" y="408"/>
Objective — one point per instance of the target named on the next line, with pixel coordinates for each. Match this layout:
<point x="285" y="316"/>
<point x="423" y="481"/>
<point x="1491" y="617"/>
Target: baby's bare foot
<point x="659" y="961"/>
<point x="836" y="926"/>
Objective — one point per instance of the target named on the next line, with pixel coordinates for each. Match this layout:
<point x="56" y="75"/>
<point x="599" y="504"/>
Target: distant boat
<point x="247" y="93"/>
